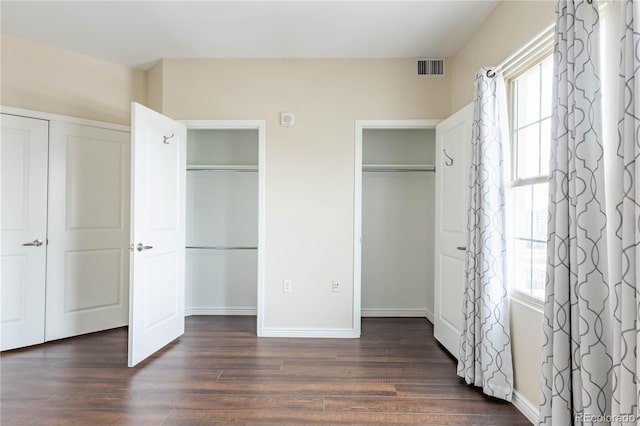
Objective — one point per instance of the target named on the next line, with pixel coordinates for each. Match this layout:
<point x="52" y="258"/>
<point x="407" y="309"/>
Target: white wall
<point x="221" y="283"/>
<point x="233" y="147"/>
<point x="398" y="225"/>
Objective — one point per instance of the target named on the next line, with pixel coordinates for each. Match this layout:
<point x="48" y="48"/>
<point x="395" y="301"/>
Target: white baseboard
<point x="321" y="333"/>
<point x="523" y="405"/>
<point x="384" y="312"/>
<point x="429" y="316"/>
<point x="219" y="311"/>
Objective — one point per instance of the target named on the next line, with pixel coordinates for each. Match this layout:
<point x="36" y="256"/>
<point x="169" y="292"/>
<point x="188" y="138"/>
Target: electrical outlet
<point x="336" y="286"/>
<point x="287" y="286"/>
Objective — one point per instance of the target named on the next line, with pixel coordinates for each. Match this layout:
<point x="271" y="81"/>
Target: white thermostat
<point x="287" y="119"/>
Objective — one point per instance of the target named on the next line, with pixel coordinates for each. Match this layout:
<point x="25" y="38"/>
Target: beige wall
<point x="510" y="26"/>
<point x="43" y="78"/>
<point x="310" y="167"/>
<point x="154" y="87"/>
<point x="526" y="346"/>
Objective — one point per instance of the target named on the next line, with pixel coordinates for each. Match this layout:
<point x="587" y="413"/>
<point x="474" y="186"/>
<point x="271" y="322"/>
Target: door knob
<point x="141" y="247"/>
<point x="34" y="243"/>
<point x="461" y="248"/>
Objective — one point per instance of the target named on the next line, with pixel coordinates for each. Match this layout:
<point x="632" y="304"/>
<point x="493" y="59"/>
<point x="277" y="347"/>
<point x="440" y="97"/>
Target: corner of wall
<point x="511" y="25"/>
<point x="155" y="87"/>
<point x="45" y="78"/>
<point x="525" y="406"/>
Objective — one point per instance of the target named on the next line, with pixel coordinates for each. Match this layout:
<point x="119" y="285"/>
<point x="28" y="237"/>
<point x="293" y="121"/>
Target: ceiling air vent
<point x="430" y="66"/>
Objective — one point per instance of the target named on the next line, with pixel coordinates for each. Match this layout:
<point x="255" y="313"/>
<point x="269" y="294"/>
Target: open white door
<point x="23" y="152"/>
<point x="158" y="184"/>
<point x="453" y="154"/>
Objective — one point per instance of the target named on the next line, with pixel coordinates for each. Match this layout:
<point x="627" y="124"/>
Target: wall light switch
<point x="287" y="286"/>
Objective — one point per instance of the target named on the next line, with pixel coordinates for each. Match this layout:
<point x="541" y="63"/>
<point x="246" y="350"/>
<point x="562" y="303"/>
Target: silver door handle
<point x="461" y="248"/>
<point x="34" y="243"/>
<point x="141" y="247"/>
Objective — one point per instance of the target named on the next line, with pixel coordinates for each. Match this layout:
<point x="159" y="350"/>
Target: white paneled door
<point x="453" y="156"/>
<point x="23" y="217"/>
<point x="88" y="253"/>
<point x="157" y="288"/>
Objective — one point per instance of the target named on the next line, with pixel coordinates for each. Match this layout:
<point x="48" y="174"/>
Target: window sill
<point x="528" y="300"/>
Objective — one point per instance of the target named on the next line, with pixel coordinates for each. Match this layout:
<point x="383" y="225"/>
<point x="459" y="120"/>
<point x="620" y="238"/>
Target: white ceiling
<point x="138" y="33"/>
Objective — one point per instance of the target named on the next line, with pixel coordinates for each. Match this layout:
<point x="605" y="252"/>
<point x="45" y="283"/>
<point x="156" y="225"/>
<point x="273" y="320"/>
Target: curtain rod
<point x="536" y="42"/>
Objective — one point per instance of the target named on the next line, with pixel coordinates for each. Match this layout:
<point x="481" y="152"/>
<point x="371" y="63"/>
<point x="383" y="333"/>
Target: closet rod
<point x="398" y="168"/>
<point x="222" y="247"/>
<point x="222" y="168"/>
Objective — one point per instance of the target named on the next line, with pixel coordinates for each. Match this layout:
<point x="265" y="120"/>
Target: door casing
<point x="260" y="126"/>
<point x="362" y="125"/>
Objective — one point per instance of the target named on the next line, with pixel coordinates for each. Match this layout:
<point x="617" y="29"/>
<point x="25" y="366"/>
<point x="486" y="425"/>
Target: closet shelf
<point x="398" y="167"/>
<point x="221" y="168"/>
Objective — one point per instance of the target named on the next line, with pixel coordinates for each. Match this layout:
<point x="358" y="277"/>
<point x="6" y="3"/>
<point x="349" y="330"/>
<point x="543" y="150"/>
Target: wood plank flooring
<point x="219" y="372"/>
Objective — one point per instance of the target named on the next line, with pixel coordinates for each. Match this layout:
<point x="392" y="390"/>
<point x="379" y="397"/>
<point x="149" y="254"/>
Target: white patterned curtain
<point x="576" y="363"/>
<point x="624" y="275"/>
<point x="485" y="348"/>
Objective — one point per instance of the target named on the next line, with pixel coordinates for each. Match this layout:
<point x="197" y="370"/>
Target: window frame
<point x="527" y="62"/>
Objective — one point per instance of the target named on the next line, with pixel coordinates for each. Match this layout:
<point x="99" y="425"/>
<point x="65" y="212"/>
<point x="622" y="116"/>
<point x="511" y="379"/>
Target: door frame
<point x="361" y="126"/>
<point x="261" y="127"/>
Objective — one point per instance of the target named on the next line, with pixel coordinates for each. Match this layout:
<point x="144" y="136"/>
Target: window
<point x="531" y="135"/>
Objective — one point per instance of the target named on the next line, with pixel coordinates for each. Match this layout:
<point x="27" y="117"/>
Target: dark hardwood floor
<point x="219" y="372"/>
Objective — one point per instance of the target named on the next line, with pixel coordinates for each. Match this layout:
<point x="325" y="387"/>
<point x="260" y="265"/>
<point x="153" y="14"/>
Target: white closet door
<point x="159" y="162"/>
<point x="453" y="156"/>
<point x="23" y="151"/>
<point x="88" y="265"/>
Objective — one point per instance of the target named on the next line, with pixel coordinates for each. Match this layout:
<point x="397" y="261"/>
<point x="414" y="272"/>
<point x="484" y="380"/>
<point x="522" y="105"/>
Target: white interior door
<point x="23" y="217"/>
<point x="158" y="186"/>
<point x="453" y="154"/>
<point x="88" y="255"/>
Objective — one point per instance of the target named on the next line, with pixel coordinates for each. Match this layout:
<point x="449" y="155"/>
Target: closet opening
<point x="394" y="219"/>
<point x="224" y="218"/>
